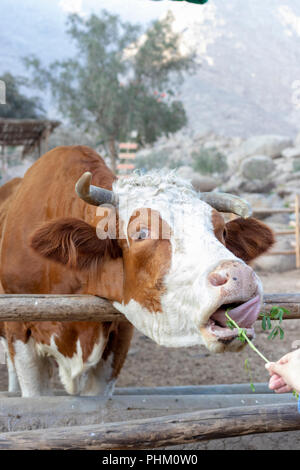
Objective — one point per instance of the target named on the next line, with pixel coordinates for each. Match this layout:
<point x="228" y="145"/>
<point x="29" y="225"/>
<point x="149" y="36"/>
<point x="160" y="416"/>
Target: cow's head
<point x="182" y="266"/>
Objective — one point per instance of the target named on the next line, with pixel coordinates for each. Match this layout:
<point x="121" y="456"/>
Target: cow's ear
<point x="73" y="243"/>
<point x="248" y="238"/>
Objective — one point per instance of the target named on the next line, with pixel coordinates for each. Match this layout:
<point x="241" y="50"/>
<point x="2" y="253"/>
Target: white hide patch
<point x="73" y="372"/>
<point x="189" y="300"/>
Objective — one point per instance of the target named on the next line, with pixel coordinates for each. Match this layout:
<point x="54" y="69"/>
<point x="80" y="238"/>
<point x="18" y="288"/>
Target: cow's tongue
<point x="244" y="315"/>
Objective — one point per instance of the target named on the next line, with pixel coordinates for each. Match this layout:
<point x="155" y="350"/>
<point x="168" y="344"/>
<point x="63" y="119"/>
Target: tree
<point x="121" y="80"/>
<point x="19" y="106"/>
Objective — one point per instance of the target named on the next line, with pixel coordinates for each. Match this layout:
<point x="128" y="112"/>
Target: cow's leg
<point x="13" y="382"/>
<point x="32" y="370"/>
<point x="101" y="379"/>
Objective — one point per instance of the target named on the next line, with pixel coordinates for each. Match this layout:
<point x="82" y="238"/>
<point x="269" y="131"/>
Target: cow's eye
<point x="142" y="234"/>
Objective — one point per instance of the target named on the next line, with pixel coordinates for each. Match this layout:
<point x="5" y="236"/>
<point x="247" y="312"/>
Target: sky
<point x="133" y="10"/>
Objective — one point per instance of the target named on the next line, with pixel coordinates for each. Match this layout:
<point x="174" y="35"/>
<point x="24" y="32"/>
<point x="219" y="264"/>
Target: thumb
<point x="276" y="368"/>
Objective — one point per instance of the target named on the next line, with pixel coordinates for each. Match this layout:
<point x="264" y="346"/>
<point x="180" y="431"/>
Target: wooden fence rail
<point x="21" y="307"/>
<point x="161" y="431"/>
<point x="296" y="231"/>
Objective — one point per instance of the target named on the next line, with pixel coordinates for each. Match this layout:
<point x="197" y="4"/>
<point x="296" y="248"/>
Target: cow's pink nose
<point x="217" y="279"/>
<point x="233" y="279"/>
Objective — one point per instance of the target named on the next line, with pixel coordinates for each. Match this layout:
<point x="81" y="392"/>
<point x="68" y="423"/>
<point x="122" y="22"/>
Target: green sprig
<point x="242" y="336"/>
<point x="276" y="313"/>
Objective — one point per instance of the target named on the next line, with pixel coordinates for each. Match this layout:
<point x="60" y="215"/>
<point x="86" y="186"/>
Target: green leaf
<point x="269" y="323"/>
<point x="281" y="333"/>
<point x="264" y="323"/>
<point x="273" y="333"/>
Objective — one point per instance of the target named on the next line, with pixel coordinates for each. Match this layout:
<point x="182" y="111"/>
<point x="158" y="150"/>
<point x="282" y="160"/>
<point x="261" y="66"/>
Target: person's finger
<point x="276" y="382"/>
<point x="284" y="389"/>
<point x="268" y="366"/>
<point x="275" y="368"/>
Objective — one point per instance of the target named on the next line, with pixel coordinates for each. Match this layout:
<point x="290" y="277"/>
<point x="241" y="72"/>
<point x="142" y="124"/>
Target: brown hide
<point x="47" y="193"/>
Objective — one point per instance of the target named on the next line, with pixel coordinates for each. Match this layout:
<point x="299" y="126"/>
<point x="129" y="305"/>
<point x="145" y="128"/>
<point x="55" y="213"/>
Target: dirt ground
<point x="148" y="364"/>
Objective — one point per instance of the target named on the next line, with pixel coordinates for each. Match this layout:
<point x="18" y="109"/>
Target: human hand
<point x="285" y="373"/>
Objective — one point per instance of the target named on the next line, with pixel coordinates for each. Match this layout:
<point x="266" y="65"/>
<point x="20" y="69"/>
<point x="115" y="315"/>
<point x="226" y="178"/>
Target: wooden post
<point x="297" y="230"/>
<point x="3" y="160"/>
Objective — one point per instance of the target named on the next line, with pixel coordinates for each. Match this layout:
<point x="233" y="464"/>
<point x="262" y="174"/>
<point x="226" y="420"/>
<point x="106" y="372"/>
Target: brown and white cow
<point x="160" y="252"/>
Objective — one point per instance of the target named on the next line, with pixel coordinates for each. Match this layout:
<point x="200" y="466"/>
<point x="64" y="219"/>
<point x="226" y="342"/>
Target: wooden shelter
<point x="32" y="134"/>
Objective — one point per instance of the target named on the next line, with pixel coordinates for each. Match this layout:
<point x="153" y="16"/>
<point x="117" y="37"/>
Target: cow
<point x="159" y="251"/>
<point x="7" y="192"/>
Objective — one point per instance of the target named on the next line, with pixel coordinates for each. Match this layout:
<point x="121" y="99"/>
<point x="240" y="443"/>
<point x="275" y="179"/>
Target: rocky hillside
<point x="249" y="54"/>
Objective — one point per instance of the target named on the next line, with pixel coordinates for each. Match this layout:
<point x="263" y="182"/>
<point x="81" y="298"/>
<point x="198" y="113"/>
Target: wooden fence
<point x="190" y="414"/>
<point x="127" y="151"/>
<point x="19" y="307"/>
<point x="296" y="231"/>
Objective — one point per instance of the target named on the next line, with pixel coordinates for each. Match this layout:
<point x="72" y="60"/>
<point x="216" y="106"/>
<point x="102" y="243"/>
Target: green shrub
<point x="208" y="161"/>
<point x="156" y="160"/>
<point x="296" y="165"/>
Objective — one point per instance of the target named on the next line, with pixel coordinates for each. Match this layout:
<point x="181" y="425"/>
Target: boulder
<point x="199" y="182"/>
<point x="260" y="201"/>
<point x="269" y="145"/>
<point x="297" y="140"/>
<point x="291" y="152"/>
<point x="238" y="184"/>
<point x="204" y="183"/>
<point x="186" y="172"/>
<point x="258" y="167"/>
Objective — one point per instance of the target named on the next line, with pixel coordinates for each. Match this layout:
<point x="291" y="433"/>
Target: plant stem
<point x="243" y="334"/>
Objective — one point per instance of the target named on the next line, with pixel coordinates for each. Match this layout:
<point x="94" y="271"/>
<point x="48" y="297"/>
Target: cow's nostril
<point x="217" y="279"/>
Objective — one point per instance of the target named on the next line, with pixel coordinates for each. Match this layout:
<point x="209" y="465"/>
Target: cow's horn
<point x="93" y="194"/>
<point x="224" y="202"/>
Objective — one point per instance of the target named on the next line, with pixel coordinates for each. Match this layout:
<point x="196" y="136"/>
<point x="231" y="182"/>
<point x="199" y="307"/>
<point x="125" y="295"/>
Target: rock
<point x="199" y="182"/>
<point x="204" y="183"/>
<point x="297" y="140"/>
<point x="186" y="172"/>
<point x="269" y="145"/>
<point x="261" y="201"/>
<point x="291" y="152"/>
<point x="277" y="263"/>
<point x="258" y="167"/>
<point x="237" y="184"/>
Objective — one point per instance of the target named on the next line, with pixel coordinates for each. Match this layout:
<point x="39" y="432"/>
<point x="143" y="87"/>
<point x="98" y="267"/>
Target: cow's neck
<point x="108" y="283"/>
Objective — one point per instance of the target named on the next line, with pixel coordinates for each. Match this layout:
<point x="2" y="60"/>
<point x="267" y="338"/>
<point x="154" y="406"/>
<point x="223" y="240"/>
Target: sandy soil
<point x="148" y="364"/>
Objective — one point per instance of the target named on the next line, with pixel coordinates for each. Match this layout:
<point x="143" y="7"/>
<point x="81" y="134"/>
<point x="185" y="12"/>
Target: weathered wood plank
<point x="18" y="414"/>
<point x="20" y="307"/>
<point x="57" y="308"/>
<point x="220" y="389"/>
<point x="159" y="432"/>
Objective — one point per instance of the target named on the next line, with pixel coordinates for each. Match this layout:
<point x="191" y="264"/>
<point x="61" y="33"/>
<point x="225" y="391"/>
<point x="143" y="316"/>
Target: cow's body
<point x="89" y="354"/>
<point x="168" y="286"/>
